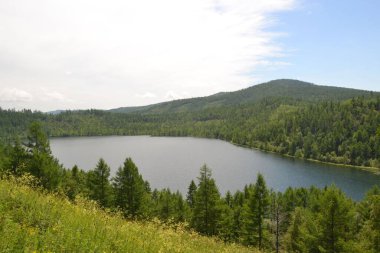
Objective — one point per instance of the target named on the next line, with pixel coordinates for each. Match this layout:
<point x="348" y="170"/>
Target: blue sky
<point x="331" y="43"/>
<point x="105" y="54"/>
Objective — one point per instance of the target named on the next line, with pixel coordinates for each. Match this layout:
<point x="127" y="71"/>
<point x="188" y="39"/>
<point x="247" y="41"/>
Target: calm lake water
<point x="174" y="161"/>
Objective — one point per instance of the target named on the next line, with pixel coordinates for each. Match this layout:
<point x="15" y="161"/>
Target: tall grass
<point x="32" y="220"/>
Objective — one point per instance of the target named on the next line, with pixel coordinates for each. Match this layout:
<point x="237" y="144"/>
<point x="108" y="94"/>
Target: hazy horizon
<point x="94" y="108"/>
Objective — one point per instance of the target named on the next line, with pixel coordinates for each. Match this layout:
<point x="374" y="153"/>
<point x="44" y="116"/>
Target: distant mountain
<point x="282" y="88"/>
<point x="56" y="112"/>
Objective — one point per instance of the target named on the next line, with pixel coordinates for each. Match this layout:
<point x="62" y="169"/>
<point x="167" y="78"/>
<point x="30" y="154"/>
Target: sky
<point x="80" y="54"/>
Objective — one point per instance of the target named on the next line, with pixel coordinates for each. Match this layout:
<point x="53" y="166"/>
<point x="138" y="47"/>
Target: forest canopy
<point x="344" y="132"/>
<point x="296" y="220"/>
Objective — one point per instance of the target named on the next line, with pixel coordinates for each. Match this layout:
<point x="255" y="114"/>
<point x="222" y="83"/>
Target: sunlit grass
<point x="33" y="220"/>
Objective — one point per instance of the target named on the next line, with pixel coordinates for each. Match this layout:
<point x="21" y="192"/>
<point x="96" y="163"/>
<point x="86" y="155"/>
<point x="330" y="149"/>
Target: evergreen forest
<point x="307" y="121"/>
<point x="296" y="220"/>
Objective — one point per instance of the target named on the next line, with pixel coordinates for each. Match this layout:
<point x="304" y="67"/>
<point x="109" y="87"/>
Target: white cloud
<point x="54" y="95"/>
<point x="103" y="52"/>
<point x="171" y="95"/>
<point x="14" y="95"/>
<point x="146" y="95"/>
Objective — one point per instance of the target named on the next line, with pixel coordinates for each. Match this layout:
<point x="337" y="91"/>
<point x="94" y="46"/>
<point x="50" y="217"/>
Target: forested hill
<point x="282" y="88"/>
<point x="316" y="122"/>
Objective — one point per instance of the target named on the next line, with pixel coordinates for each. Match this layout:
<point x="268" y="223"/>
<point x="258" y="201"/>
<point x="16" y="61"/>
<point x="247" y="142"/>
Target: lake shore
<point x="374" y="170"/>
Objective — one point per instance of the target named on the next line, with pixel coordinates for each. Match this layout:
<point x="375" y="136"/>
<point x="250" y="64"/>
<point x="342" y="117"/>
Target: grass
<point x="32" y="220"/>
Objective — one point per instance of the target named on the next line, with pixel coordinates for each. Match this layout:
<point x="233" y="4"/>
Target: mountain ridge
<point x="280" y="88"/>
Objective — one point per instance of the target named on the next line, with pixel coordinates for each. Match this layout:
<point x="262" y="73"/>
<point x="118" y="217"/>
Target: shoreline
<point x="373" y="170"/>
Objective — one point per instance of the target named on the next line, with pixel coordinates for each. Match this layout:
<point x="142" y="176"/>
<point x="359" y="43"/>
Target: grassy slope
<point x="285" y="88"/>
<point x="31" y="220"/>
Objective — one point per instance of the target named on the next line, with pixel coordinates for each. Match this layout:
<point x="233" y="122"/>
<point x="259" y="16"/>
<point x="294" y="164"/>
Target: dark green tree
<point x="334" y="219"/>
<point x="294" y="239"/>
<point x="207" y="210"/>
<point x="226" y="222"/>
<point x="369" y="227"/>
<point x="37" y="139"/>
<point x="258" y="211"/>
<point x="375" y="222"/>
<point x="181" y="208"/>
<point x="238" y="216"/>
<point x="17" y="158"/>
<point x="277" y="216"/>
<point x="130" y="189"/>
<point x="191" y="193"/>
<point x="40" y="161"/>
<point x="99" y="184"/>
<point x="75" y="183"/>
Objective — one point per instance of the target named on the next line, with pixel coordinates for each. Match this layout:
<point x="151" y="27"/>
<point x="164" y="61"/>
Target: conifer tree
<point x="17" y="158"/>
<point x="258" y="209"/>
<point x="207" y="210"/>
<point x="181" y="208"/>
<point x="41" y="163"/>
<point x="277" y="218"/>
<point x="226" y="223"/>
<point x="375" y="222"/>
<point x="190" y="193"/>
<point x="100" y="188"/>
<point x="166" y="208"/>
<point x="238" y="216"/>
<point x="334" y="220"/>
<point x="130" y="189"/>
<point x="294" y="241"/>
<point x="37" y="139"/>
<point x="75" y="182"/>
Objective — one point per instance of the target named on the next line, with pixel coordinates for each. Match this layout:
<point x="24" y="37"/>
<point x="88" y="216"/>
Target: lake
<point x="174" y="161"/>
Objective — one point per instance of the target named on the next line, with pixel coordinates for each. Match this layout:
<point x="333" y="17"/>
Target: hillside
<point x="282" y="88"/>
<point x="33" y="221"/>
<point x="313" y="122"/>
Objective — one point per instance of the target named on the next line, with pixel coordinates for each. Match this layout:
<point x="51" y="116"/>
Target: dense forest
<point x="344" y="132"/>
<point x="296" y="220"/>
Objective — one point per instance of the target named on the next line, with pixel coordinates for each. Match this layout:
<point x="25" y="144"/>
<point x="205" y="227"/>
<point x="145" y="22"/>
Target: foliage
<point x="34" y="221"/>
<point x="129" y="189"/>
<point x="343" y="132"/>
<point x="297" y="220"/>
<point x="258" y="210"/>
<point x="99" y="185"/>
<point x="207" y="211"/>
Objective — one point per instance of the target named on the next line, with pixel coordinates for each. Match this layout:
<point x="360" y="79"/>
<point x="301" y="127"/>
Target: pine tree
<point x="75" y="182"/>
<point x="277" y="218"/>
<point x="100" y="188"/>
<point x="190" y="193"/>
<point x="37" y="139"/>
<point x="166" y="207"/>
<point x="375" y="222"/>
<point x="129" y="189"/>
<point x="258" y="208"/>
<point x="294" y="240"/>
<point x="226" y="222"/>
<point x="17" y="158"/>
<point x="181" y="208"/>
<point x="207" y="211"/>
<point x="41" y="163"/>
<point x="334" y="220"/>
<point x="369" y="232"/>
<point x="238" y="216"/>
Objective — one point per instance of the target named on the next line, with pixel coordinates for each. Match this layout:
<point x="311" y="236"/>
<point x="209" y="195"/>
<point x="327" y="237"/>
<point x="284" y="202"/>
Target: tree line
<point x="296" y="220"/>
<point x="343" y="132"/>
